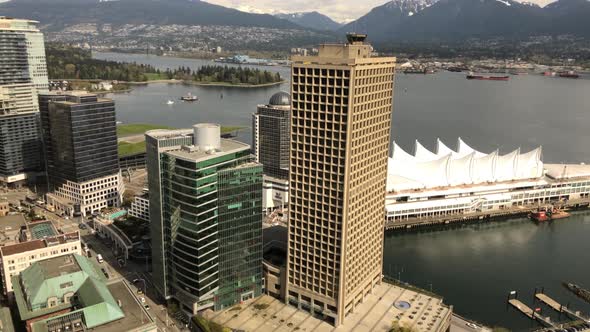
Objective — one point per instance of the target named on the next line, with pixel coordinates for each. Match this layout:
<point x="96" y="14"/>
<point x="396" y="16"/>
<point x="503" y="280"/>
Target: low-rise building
<point x="140" y="207"/>
<point x="275" y="194"/>
<point x="38" y="241"/>
<point x="4" y="207"/>
<point x="105" y="227"/>
<point x="69" y="293"/>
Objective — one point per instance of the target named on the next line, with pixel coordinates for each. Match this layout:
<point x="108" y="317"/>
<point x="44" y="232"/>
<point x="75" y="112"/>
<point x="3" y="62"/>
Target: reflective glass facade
<point x="20" y="147"/>
<point x="79" y="136"/>
<point x="207" y="225"/>
<point x="271" y="134"/>
<point x="240" y="234"/>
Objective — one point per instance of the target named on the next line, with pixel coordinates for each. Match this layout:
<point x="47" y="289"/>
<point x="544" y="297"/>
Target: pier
<point x="559" y="307"/>
<point x="476" y="217"/>
<point x="527" y="311"/>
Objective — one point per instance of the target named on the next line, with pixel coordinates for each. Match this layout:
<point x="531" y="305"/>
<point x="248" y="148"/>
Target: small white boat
<point x="189" y="97"/>
<point x="170" y="102"/>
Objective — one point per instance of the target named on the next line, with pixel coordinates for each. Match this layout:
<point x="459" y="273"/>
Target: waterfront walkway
<point x="516" y="211"/>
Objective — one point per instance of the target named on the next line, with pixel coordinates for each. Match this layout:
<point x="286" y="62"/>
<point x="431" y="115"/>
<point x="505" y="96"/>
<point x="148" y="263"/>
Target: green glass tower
<point x="206" y="217"/>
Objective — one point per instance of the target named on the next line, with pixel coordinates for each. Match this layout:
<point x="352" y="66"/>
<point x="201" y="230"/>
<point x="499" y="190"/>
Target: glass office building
<point x="206" y="216"/>
<point x="79" y="133"/>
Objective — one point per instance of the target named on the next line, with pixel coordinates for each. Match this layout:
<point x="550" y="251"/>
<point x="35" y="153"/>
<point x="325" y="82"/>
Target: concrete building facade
<point x="340" y="135"/>
<point x="140" y="207"/>
<point x="15" y="258"/>
<point x="206" y="218"/>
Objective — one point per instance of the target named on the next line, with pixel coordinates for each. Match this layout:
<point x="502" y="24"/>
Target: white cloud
<point x="339" y="10"/>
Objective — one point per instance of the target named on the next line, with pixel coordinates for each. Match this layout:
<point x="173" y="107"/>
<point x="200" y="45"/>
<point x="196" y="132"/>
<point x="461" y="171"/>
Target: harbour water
<point x="474" y="267"/>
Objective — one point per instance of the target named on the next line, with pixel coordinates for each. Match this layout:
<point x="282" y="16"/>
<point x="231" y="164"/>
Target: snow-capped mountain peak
<point x="410" y="7"/>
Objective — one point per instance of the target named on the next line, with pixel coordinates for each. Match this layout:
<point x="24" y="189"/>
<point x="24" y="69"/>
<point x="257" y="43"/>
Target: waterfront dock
<point x="512" y="212"/>
<point x="530" y="313"/>
<point x="560" y="308"/>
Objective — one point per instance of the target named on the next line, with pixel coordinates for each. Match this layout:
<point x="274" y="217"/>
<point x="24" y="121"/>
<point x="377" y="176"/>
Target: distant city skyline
<point x="343" y="11"/>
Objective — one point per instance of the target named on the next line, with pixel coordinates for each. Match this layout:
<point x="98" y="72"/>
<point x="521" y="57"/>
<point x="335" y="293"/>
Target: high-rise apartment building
<point x="340" y="133"/>
<point x="81" y="153"/>
<point x="270" y="139"/>
<point x="206" y="217"/>
<point x="270" y="135"/>
<point x="23" y="72"/>
<point x="22" y="51"/>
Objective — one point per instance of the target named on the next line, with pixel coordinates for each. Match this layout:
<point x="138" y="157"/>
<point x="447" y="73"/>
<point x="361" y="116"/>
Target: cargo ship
<point x="471" y="76"/>
<point x="582" y="293"/>
<point x="569" y="74"/>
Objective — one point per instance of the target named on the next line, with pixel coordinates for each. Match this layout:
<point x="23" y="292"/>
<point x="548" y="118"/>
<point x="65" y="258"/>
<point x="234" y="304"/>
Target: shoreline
<point x="174" y="81"/>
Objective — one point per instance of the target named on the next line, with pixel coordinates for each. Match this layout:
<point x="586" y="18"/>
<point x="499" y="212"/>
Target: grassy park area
<point x="133" y="129"/>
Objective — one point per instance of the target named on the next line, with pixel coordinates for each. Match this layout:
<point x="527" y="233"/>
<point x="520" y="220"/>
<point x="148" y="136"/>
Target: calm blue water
<point x="474" y="267"/>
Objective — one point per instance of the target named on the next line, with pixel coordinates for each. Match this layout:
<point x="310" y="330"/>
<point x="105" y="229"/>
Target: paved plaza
<point x="378" y="312"/>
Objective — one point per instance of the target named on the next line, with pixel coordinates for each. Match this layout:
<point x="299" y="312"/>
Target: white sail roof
<point x="506" y="166"/>
<point x="442" y="149"/>
<point x="423" y="154"/>
<point x="464" y="149"/>
<point x="459" y="172"/>
<point x="465" y="166"/>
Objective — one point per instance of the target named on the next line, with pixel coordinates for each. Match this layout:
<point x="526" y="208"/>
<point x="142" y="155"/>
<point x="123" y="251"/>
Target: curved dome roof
<point x="281" y="98"/>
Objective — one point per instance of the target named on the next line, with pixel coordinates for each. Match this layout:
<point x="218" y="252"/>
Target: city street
<point x="459" y="324"/>
<point x="129" y="271"/>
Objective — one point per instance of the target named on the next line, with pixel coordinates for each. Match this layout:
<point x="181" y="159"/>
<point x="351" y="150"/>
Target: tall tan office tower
<point x="341" y="117"/>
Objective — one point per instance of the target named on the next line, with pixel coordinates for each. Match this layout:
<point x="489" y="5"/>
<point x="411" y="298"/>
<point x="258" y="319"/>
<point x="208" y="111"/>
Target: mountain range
<point x="311" y="20"/>
<point x="56" y="14"/>
<point x="456" y="20"/>
<point x="395" y="21"/>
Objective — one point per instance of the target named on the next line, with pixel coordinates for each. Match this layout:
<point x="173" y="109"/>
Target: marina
<point x="568" y="320"/>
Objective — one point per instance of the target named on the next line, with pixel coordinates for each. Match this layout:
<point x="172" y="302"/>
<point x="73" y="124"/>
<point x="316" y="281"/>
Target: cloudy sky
<point x="339" y="10"/>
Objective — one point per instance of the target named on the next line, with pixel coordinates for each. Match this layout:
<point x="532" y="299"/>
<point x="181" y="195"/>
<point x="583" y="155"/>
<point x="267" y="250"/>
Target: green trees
<point x="226" y="74"/>
<point x="65" y="62"/>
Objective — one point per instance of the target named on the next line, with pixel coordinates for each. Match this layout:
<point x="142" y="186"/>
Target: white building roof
<point x="466" y="166"/>
<point x="561" y="171"/>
